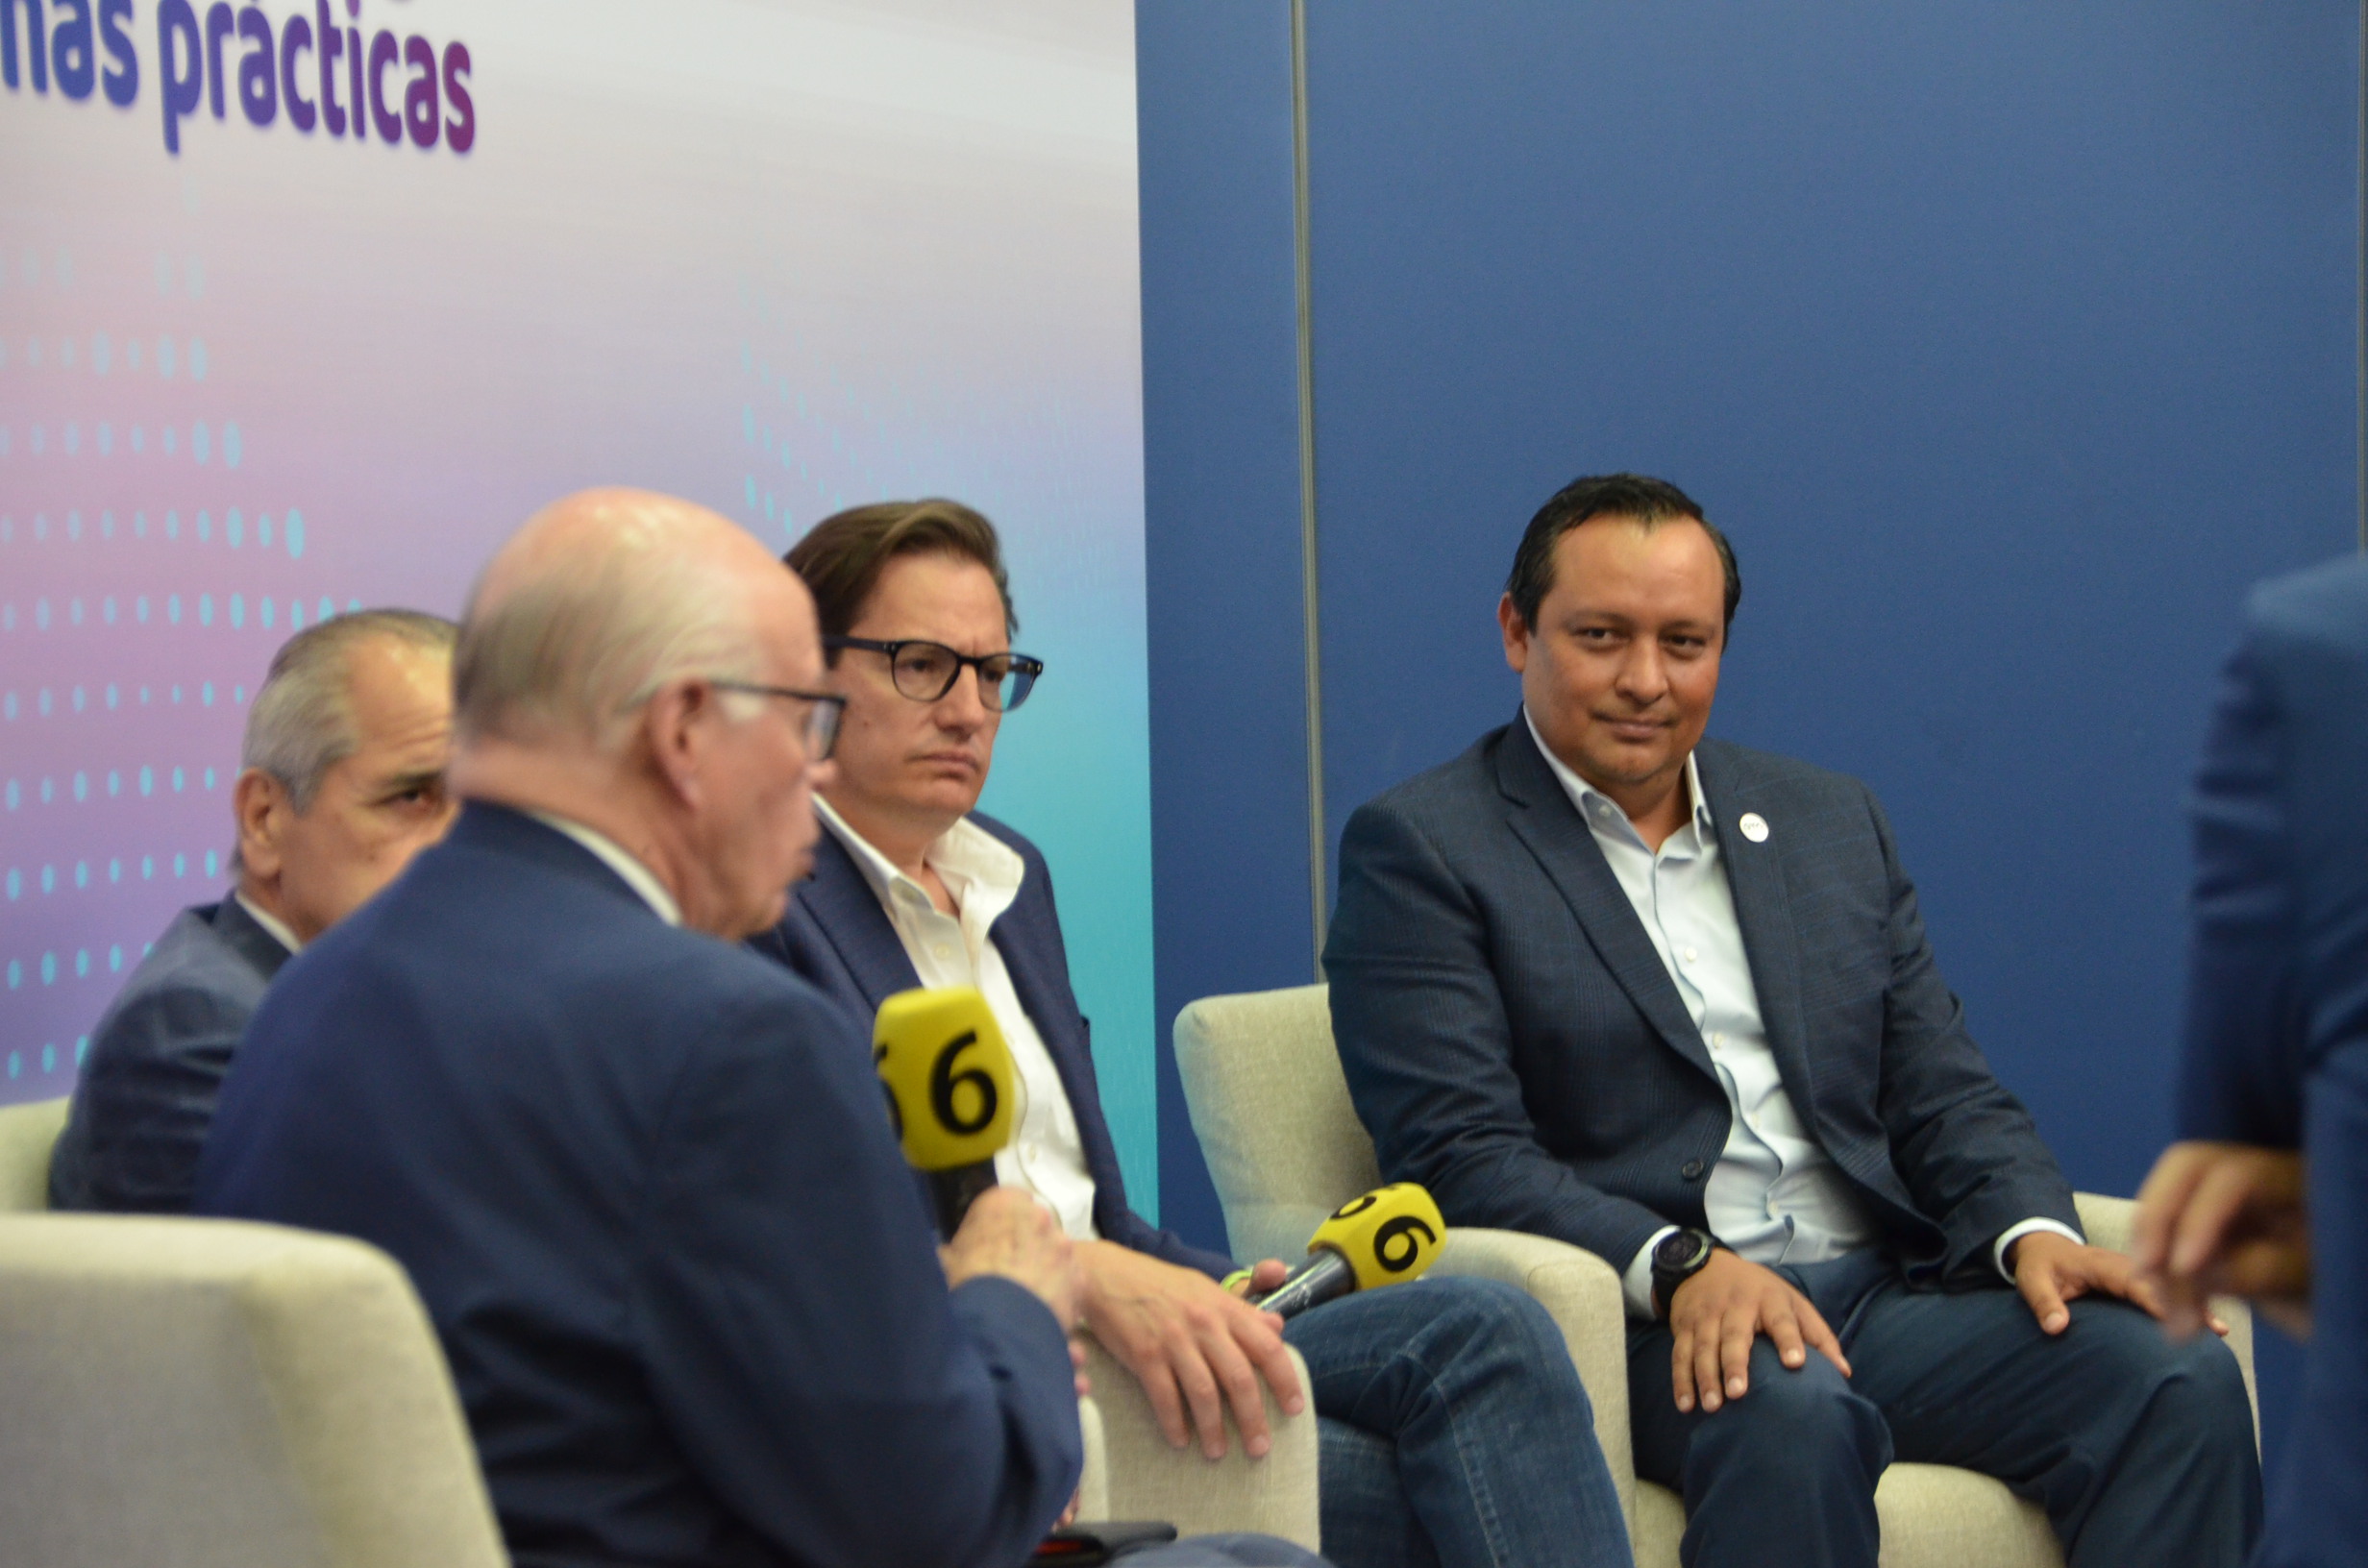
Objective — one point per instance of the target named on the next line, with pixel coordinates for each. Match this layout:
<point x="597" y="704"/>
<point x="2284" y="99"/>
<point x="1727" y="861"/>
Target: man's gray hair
<point x="302" y="723"/>
<point x="573" y="650"/>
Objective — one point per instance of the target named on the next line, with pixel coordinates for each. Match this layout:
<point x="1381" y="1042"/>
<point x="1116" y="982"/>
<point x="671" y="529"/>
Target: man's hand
<point x="2229" y="1219"/>
<point x="1720" y="1310"/>
<point x="1010" y="1233"/>
<point x="1193" y="1345"/>
<point x="2052" y="1270"/>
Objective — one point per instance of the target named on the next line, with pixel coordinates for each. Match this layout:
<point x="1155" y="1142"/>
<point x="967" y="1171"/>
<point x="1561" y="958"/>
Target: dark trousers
<point x="2318" y="1515"/>
<point x="2140" y="1451"/>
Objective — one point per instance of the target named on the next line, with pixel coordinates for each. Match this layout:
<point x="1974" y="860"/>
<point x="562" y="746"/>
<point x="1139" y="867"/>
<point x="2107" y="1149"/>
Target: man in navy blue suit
<point x="2276" y="1039"/>
<point x="640" y="1177"/>
<point x="340" y="783"/>
<point x="1670" y="1000"/>
<point x="1453" y="1427"/>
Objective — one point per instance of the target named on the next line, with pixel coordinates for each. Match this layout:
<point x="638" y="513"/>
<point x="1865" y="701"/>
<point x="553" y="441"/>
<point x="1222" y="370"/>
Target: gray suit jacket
<point x="155" y="1062"/>
<point x="1515" y="1043"/>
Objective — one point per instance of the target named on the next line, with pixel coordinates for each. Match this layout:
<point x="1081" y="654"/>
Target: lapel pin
<point x="1754" y="827"/>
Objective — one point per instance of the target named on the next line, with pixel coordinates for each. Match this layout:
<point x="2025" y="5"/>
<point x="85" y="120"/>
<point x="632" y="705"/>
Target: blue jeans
<point x="2139" y="1449"/>
<point x="1221" y="1552"/>
<point x="1455" y="1431"/>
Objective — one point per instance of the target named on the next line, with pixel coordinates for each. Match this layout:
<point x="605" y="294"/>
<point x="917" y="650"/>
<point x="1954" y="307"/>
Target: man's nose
<point x="1644" y="675"/>
<point x="964" y="706"/>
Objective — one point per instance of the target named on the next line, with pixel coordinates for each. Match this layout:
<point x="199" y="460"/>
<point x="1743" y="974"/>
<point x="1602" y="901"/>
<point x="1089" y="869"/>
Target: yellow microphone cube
<point x="949" y="1075"/>
<point x="1386" y="1237"/>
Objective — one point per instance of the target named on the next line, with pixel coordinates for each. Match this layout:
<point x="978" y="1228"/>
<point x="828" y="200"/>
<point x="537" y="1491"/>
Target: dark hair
<point x="842" y="556"/>
<point x="1647" y="500"/>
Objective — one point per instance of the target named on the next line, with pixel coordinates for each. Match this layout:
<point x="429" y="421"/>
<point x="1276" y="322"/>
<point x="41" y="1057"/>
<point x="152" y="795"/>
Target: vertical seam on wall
<point x="1319" y="872"/>
<point x="2359" y="346"/>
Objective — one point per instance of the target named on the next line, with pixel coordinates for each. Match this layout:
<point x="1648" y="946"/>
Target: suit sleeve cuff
<point x="1637" y="1282"/>
<point x="2015" y="1232"/>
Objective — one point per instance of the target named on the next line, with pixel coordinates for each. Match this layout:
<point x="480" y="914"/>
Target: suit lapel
<point x="1763" y="910"/>
<point x="246" y="937"/>
<point x="1543" y="818"/>
<point x="849" y="915"/>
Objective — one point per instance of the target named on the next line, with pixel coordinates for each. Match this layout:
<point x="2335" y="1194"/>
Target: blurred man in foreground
<point x="340" y="783"/>
<point x="2276" y="1039"/>
<point x="1454" y="1429"/>
<point x="640" y="1177"/>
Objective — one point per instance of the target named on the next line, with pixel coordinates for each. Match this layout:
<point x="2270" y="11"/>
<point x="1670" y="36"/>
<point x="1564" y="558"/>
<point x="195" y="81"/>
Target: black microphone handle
<point x="955" y="1190"/>
<point x="1324" y="1277"/>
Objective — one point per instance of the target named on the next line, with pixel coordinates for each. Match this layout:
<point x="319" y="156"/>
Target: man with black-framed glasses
<point x="1454" y="1430"/>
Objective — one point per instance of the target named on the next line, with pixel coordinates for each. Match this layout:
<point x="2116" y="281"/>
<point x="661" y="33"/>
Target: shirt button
<point x="1691" y="1169"/>
<point x="938" y="952"/>
<point x="1690" y="955"/>
<point x="1717" y="1038"/>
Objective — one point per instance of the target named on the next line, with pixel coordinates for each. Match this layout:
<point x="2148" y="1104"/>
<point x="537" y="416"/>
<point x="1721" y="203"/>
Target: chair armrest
<point x="2108" y="1222"/>
<point x="1581" y="1292"/>
<point x="27" y="1135"/>
<point x="1093" y="1482"/>
<point x="1142" y="1478"/>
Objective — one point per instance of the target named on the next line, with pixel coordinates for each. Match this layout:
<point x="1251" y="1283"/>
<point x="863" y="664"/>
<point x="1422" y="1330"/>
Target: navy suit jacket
<point x="2279" y="971"/>
<point x="156" y="1064"/>
<point x="1515" y="1043"/>
<point x="644" y="1185"/>
<point x="837" y="937"/>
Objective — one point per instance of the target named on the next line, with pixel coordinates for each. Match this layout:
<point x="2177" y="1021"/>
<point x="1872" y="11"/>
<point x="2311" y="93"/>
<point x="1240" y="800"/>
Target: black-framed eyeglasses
<point x="925" y="672"/>
<point x="821" y="730"/>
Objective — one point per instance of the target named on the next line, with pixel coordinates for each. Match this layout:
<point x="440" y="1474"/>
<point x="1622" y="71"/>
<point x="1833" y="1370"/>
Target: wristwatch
<point x="1677" y="1258"/>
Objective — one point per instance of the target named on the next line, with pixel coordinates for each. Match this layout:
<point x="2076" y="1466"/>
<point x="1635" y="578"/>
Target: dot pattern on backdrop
<point x="149" y="567"/>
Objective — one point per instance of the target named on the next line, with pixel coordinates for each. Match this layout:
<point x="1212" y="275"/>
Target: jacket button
<point x="1691" y="1169"/>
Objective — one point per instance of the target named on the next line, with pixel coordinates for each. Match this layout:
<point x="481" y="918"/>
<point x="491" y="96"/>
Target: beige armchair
<point x="213" y="1393"/>
<point x="1284" y="1146"/>
<point x="1130" y="1472"/>
<point x="27" y="1135"/>
<point x="1140" y="1476"/>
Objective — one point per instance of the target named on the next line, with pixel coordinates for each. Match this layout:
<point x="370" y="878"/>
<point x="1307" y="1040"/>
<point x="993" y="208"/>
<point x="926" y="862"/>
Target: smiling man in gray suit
<point x="1670" y="1000"/>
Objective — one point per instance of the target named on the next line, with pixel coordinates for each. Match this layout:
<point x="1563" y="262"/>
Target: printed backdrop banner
<point x="305" y="305"/>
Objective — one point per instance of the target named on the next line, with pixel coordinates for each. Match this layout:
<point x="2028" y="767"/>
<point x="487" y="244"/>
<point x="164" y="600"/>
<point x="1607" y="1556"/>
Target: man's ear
<point x="672" y="723"/>
<point x="263" y="811"/>
<point x="1516" y="635"/>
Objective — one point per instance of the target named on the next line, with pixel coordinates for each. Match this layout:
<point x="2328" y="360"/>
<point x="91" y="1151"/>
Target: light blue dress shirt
<point x="1775" y="1195"/>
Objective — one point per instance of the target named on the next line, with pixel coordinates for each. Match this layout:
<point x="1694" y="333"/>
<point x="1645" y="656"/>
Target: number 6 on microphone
<point x="948" y="1073"/>
<point x="1390" y="1234"/>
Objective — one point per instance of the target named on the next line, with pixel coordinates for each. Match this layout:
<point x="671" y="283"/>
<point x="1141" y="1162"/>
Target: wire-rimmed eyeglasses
<point x="926" y="671"/>
<point x="821" y="729"/>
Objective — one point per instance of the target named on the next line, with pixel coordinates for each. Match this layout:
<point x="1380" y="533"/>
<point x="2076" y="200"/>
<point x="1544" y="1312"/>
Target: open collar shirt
<point x="1047" y="1154"/>
<point x="1775" y="1195"/>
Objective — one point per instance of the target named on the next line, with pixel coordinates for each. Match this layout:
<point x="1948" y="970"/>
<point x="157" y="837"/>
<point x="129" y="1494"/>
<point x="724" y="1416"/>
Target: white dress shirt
<point x="280" y="933"/>
<point x="1047" y="1155"/>
<point x="1775" y="1195"/>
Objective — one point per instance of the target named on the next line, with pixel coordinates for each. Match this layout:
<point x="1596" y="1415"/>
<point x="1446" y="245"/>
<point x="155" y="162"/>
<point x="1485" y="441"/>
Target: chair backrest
<point x="1272" y="1114"/>
<point x="27" y="1135"/>
<point x="206" y="1393"/>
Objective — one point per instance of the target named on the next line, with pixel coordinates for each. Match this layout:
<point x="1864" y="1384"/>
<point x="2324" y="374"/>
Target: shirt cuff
<point x="1637" y="1284"/>
<point x="2015" y="1232"/>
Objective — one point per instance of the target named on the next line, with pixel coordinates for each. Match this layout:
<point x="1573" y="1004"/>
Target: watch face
<point x="1677" y="1250"/>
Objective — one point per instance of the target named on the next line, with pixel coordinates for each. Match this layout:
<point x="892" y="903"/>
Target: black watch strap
<point x="1677" y="1258"/>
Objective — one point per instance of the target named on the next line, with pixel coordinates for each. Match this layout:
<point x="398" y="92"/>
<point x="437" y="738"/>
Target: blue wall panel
<point x="1222" y="506"/>
<point x="2009" y="340"/>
